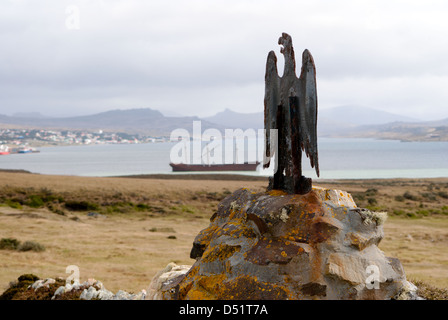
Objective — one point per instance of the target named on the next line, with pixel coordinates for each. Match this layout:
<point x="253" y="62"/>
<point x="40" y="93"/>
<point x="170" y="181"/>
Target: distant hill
<point x="356" y="122"/>
<point x="405" y="131"/>
<point x="135" y="121"/>
<point x="29" y="115"/>
<point x="350" y="122"/>
<point x="233" y="120"/>
<point x="330" y="121"/>
<point x="356" y="115"/>
<point x="344" y="121"/>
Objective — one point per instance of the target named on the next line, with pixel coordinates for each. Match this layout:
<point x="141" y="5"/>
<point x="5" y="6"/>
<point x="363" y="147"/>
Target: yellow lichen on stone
<point x="205" y="287"/>
<point x="219" y="252"/>
<point x="238" y="228"/>
<point x="276" y="193"/>
<point x="357" y="240"/>
<point x="206" y="235"/>
<point x="234" y="210"/>
<point x="249" y="287"/>
<point x="338" y="197"/>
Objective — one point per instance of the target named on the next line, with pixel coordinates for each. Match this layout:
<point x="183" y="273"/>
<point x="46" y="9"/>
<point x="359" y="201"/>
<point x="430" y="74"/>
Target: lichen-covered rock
<point x="274" y="245"/>
<point x="165" y="278"/>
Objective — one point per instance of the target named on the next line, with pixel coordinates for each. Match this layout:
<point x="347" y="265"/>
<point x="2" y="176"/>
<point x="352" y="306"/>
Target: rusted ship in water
<point x="215" y="167"/>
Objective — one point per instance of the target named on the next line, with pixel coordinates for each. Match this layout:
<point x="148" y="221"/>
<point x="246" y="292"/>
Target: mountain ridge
<point x="232" y="119"/>
<point x="343" y="121"/>
<point x="136" y="121"/>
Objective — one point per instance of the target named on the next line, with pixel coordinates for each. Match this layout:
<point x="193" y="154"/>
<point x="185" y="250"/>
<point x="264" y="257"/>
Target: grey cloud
<point x="199" y="57"/>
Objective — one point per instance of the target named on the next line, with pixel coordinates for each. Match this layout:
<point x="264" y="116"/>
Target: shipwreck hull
<point x="215" y="167"/>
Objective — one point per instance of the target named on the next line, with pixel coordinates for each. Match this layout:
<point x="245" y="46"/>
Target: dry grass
<point x="119" y="251"/>
<point x="422" y="247"/>
<point x="127" y="248"/>
<point x="124" y="250"/>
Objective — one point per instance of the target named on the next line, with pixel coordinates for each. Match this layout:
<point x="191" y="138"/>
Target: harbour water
<point x="338" y="159"/>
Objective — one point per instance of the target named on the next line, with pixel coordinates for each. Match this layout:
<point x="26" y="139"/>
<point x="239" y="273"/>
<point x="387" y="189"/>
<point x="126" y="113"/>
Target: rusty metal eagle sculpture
<point x="290" y="106"/>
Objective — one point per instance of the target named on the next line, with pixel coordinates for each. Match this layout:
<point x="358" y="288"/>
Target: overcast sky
<point x="76" y="57"/>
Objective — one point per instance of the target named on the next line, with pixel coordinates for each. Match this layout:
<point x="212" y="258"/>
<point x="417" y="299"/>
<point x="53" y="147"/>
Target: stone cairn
<point x="274" y="245"/>
<point x="295" y="240"/>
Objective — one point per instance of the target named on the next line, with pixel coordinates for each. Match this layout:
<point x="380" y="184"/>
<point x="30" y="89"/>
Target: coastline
<point x="226" y="177"/>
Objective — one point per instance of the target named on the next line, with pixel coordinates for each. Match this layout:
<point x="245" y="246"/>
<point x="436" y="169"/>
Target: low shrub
<point x="81" y="206"/>
<point x="187" y="209"/>
<point x="444" y="210"/>
<point x="429" y="196"/>
<point x="31" y="246"/>
<point x="358" y="197"/>
<point x="55" y="208"/>
<point x="142" y="207"/>
<point x="409" y="196"/>
<point x="443" y="194"/>
<point x="121" y="207"/>
<point x="422" y="212"/>
<point x="411" y="215"/>
<point x="371" y="192"/>
<point x="9" y="244"/>
<point x="13" y="204"/>
<point x="18" y="287"/>
<point x="429" y="292"/>
<point x="35" y="201"/>
<point x="398" y="212"/>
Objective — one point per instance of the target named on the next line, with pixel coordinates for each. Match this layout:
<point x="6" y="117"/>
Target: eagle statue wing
<point x="308" y="109"/>
<point x="271" y="103"/>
